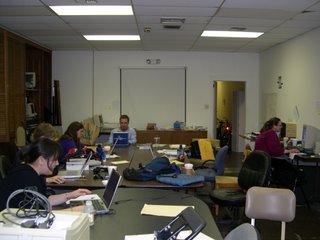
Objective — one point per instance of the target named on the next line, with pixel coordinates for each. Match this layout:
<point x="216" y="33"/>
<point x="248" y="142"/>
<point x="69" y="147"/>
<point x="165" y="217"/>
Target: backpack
<point x="159" y="165"/>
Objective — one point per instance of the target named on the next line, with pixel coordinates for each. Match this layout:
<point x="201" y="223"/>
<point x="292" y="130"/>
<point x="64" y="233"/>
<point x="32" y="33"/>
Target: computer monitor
<point x="30" y="111"/>
<point x="30" y="80"/>
<point x="310" y="135"/>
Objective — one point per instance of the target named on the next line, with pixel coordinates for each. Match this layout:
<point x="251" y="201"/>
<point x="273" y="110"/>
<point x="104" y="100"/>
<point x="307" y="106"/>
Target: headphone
<point x="35" y="207"/>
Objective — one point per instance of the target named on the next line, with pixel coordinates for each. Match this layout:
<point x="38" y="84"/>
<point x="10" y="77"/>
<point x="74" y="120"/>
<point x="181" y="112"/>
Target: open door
<point x="230" y="107"/>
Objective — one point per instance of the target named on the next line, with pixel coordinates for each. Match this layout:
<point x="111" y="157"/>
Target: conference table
<point x="126" y="219"/>
<point x="133" y="157"/>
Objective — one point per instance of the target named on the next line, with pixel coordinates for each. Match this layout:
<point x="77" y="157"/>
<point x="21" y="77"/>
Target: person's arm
<point x="274" y="145"/>
<point x="132" y="136"/>
<point x="111" y="136"/>
<point x="62" y="198"/>
<point x="55" y="179"/>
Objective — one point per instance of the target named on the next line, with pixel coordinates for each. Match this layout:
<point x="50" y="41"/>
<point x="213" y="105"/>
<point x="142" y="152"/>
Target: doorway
<point x="230" y="108"/>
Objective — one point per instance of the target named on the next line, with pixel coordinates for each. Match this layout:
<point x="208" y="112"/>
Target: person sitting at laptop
<point x="40" y="159"/>
<point x="124" y="127"/>
<point x="268" y="139"/>
<point x="70" y="140"/>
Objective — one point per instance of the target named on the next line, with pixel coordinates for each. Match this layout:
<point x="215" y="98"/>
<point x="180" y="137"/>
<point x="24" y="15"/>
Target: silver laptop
<point x="72" y="174"/>
<point x="102" y="206"/>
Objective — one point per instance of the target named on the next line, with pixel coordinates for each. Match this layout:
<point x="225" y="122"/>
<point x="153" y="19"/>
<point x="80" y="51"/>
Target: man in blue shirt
<point x="124" y="127"/>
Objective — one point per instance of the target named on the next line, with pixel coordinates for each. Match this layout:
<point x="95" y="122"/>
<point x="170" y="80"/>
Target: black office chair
<point x="285" y="175"/>
<point x="255" y="171"/>
<point x="5" y="166"/>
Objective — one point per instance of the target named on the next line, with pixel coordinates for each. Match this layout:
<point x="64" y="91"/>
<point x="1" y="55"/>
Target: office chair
<point x="5" y="166"/>
<point x="271" y="204"/>
<point x="255" y="171"/>
<point x="243" y="231"/>
<point x="285" y="175"/>
<point x="218" y="166"/>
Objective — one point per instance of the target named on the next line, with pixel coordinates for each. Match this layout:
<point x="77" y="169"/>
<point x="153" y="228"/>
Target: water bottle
<point x="181" y="155"/>
<point x="89" y="209"/>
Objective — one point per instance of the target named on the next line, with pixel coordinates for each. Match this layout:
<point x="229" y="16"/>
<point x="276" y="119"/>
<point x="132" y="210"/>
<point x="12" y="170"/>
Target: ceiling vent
<point x="238" y="28"/>
<point x="172" y="22"/>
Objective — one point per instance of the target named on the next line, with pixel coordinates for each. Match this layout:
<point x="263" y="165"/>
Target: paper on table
<point x="108" y="156"/>
<point x="120" y="162"/>
<point x="163" y="210"/>
<point x="182" y="235"/>
<point x="84" y="198"/>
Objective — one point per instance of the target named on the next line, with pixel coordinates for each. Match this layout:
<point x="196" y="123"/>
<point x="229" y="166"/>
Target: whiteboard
<point x="153" y="95"/>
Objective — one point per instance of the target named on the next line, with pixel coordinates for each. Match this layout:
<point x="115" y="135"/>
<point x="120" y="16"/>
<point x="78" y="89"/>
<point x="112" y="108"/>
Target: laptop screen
<point x="121" y="139"/>
<point x="111" y="188"/>
<point x="86" y="162"/>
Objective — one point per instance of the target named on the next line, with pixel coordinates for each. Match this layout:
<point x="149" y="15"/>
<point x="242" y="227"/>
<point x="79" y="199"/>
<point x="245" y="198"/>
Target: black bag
<point x="159" y="165"/>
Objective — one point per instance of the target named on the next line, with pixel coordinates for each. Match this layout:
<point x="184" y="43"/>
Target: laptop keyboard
<point x="98" y="205"/>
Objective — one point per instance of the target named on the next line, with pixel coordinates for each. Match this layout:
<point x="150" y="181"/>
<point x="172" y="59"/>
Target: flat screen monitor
<point x="310" y="135"/>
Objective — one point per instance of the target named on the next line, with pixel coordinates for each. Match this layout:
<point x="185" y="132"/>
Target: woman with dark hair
<point x="71" y="139"/>
<point x="268" y="139"/>
<point x="40" y="159"/>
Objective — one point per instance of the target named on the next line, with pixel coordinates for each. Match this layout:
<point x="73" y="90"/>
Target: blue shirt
<point x="132" y="135"/>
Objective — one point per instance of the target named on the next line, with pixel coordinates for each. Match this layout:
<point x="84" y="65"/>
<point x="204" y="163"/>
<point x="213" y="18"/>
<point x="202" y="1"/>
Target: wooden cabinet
<point x="169" y="136"/>
<point x="18" y="56"/>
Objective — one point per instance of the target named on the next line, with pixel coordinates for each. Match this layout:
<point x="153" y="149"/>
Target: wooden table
<point x="135" y="157"/>
<point x="170" y="136"/>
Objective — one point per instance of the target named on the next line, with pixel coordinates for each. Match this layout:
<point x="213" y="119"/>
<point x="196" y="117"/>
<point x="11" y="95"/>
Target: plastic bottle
<point x="181" y="155"/>
<point x="89" y="209"/>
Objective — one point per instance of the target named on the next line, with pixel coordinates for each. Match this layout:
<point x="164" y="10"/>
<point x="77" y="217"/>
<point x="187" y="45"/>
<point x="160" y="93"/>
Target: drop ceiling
<point x="280" y="20"/>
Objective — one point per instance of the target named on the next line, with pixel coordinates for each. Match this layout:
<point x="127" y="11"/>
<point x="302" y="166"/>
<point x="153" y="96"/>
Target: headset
<point x="35" y="207"/>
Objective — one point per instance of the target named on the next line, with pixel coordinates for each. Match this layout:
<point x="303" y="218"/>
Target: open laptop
<point x="72" y="174"/>
<point x="102" y="206"/>
<point x="121" y="139"/>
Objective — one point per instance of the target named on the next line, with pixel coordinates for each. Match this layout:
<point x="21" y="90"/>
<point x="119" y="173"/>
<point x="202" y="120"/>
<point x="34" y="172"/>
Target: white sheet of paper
<point x="84" y="198"/>
<point x="108" y="156"/>
<point x="181" y="235"/>
<point x="120" y="162"/>
<point x="163" y="210"/>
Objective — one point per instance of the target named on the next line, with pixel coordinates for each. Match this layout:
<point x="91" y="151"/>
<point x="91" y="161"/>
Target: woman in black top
<point x="40" y="159"/>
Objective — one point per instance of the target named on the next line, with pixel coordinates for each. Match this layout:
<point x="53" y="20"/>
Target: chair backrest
<point x="274" y="204"/>
<point x="255" y="170"/>
<point x="219" y="162"/>
<point x="5" y="166"/>
<point x="243" y="231"/>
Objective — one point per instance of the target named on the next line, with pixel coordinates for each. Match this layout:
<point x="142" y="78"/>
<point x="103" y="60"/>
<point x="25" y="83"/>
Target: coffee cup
<point x="188" y="167"/>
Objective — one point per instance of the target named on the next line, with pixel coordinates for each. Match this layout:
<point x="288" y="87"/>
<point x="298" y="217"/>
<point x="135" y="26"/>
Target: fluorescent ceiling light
<point x="112" y="37"/>
<point x="232" y="34"/>
<point x="92" y="10"/>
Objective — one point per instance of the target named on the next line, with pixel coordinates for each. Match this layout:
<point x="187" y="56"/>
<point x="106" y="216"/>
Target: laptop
<point x="73" y="174"/>
<point x="102" y="206"/>
<point x="121" y="139"/>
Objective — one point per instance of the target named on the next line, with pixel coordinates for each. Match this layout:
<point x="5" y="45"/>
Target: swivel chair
<point x="271" y="204"/>
<point x="243" y="231"/>
<point x="255" y="171"/>
<point x="218" y="166"/>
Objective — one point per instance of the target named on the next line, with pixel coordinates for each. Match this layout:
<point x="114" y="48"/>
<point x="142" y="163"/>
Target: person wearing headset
<point x="39" y="159"/>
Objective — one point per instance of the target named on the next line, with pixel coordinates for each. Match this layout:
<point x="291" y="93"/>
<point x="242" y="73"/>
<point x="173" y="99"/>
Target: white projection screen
<point x="153" y="95"/>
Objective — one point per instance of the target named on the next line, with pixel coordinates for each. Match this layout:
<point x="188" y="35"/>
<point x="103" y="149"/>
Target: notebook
<point x="121" y="139"/>
<point x="102" y="206"/>
<point x="70" y="174"/>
